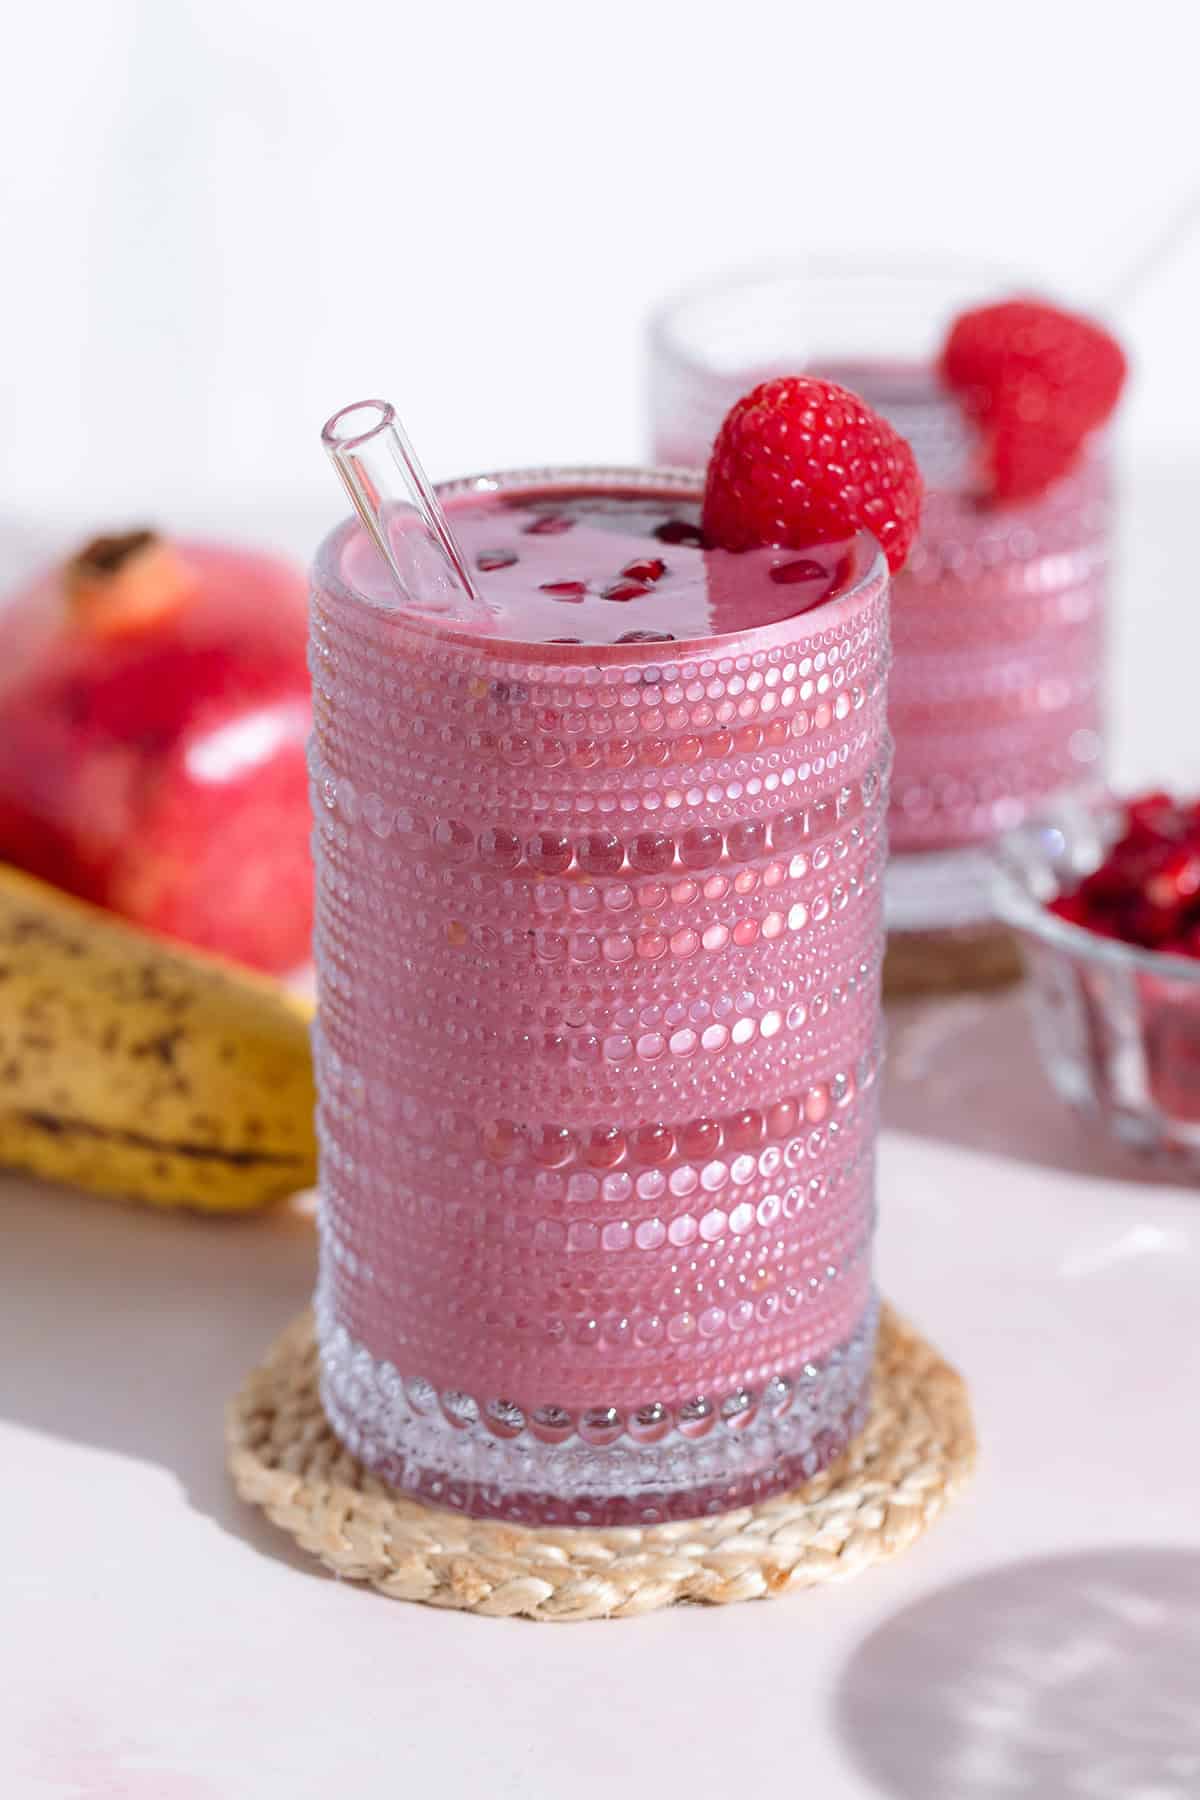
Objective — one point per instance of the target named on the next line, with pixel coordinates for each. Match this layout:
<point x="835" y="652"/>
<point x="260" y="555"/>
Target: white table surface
<point x="161" y="1641"/>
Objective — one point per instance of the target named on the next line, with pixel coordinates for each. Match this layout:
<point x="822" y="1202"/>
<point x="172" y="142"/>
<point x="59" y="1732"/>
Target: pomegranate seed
<point x="678" y="531"/>
<point x="549" y="524"/>
<point x="624" y="590"/>
<point x="1148" y="925"/>
<point x="803" y="570"/>
<point x="1146" y="804"/>
<point x="1147" y="889"/>
<point x="564" y="590"/>
<point x="1178" y="879"/>
<point x="1071" y="907"/>
<point x="646" y="637"/>
<point x="487" y="560"/>
<point x="645" y="568"/>
<point x="1155" y="819"/>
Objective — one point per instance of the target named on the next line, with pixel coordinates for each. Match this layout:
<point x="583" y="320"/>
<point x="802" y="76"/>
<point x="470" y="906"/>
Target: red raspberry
<point x="1036" y="381"/>
<point x="801" y="462"/>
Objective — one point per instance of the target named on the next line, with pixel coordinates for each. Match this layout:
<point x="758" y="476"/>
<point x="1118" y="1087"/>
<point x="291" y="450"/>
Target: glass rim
<point x="871" y="579"/>
<point x="910" y="270"/>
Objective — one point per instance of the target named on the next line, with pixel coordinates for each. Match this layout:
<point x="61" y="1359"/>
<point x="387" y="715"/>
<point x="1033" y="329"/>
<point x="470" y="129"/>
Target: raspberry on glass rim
<point x="802" y="477"/>
<point x="154" y="708"/>
<point x="799" y="462"/>
<point x="1036" y="382"/>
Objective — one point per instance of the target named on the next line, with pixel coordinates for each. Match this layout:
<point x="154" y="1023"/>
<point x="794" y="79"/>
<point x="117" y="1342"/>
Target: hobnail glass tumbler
<point x="599" y="933"/>
<point x="998" y="619"/>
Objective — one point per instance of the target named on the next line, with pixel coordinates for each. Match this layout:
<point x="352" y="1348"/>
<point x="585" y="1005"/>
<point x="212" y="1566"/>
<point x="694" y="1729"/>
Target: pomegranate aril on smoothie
<point x="624" y="590"/>
<point x="599" y="554"/>
<point x="679" y="531"/>
<point x="787" y="574"/>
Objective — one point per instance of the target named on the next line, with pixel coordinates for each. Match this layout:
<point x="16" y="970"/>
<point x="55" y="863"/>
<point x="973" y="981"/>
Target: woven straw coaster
<point x="949" y="962"/>
<point x="912" y="1456"/>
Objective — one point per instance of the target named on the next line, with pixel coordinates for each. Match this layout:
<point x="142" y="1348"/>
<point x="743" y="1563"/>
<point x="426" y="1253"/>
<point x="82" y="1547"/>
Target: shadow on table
<point x="130" y="1330"/>
<point x="1063" y="1676"/>
<point x="967" y="1071"/>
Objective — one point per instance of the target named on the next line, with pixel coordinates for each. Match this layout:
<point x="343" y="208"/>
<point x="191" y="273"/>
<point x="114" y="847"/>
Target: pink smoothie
<point x="996" y="698"/>
<point x="599" y="933"/>
<point x="565" y="566"/>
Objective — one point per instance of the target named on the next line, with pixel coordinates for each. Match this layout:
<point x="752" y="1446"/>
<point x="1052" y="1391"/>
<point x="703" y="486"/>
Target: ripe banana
<point x="131" y="1066"/>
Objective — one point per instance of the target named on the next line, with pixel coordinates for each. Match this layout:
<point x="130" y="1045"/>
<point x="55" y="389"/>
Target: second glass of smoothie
<point x="998" y="622"/>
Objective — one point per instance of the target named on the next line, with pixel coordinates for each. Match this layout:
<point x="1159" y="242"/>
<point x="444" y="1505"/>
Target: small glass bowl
<point x="1118" y="1027"/>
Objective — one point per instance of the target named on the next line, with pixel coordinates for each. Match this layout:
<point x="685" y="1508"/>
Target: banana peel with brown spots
<point x="132" y="1066"/>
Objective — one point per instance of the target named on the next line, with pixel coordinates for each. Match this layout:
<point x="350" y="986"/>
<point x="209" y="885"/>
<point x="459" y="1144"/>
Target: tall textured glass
<point x="598" y="943"/>
<point x="998" y="620"/>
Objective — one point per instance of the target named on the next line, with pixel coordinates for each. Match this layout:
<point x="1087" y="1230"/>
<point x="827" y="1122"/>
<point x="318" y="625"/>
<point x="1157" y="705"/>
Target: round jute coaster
<point x="912" y="1456"/>
<point x="949" y="962"/>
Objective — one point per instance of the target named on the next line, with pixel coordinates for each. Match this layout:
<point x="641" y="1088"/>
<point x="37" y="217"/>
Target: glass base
<point x="487" y="1459"/>
<point x="939" y="890"/>
<point x="970" y="958"/>
<point x="942" y="935"/>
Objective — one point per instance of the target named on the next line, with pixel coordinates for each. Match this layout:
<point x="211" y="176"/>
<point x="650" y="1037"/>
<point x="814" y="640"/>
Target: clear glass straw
<point x="1125" y="287"/>
<point x="383" y="477"/>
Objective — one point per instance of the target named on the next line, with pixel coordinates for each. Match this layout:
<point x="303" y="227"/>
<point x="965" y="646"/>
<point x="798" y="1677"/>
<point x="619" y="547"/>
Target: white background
<point x="224" y="218"/>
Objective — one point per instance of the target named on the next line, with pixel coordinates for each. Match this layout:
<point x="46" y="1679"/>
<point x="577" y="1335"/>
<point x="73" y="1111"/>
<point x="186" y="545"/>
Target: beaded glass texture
<point x="599" y="934"/>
